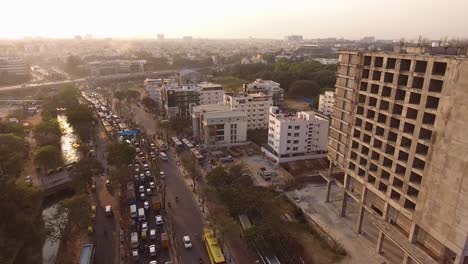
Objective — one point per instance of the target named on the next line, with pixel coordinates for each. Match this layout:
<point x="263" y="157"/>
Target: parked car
<point x="159" y="220"/>
<point x="187" y="242"/>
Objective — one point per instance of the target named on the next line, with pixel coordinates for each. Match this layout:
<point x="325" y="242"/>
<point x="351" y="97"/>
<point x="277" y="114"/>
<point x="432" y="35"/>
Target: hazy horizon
<point x="350" y="19"/>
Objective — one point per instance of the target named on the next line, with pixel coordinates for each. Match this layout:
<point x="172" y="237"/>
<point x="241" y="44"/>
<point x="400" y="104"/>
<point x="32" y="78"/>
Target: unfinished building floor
<point x="361" y="248"/>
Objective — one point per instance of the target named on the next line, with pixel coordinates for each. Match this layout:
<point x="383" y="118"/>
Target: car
<point x="152" y="146"/>
<point x="90" y="229"/>
<point x="152" y="234"/>
<point x="153" y="262"/>
<point x="138" y="150"/>
<point x="69" y="167"/>
<point x="135" y="254"/>
<point x="93" y="185"/>
<point x="141" y="189"/>
<point x="162" y="175"/>
<point x="148" y="173"/>
<point x="50" y="172"/>
<point x="137" y="170"/>
<point x="28" y="180"/>
<point x="108" y="210"/>
<point x="141" y="155"/>
<point x="108" y="184"/>
<point x="58" y="169"/>
<point x="148" y="191"/>
<point x="159" y="220"/>
<point x="136" y="176"/>
<point x="146" y="166"/>
<point x="142" y="196"/>
<point x="144" y="226"/>
<point x="142" y="177"/>
<point x="146" y="205"/>
<point x="187" y="242"/>
<point x="152" y="250"/>
<point x="152" y="185"/>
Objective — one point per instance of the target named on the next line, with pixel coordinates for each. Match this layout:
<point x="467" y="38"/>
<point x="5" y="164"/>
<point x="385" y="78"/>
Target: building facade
<point x="398" y="135"/>
<point x="211" y="93"/>
<point x="13" y="70"/>
<point x="217" y="125"/>
<point x="296" y="136"/>
<point x="154" y="89"/>
<point x="256" y="106"/>
<point x="98" y="68"/>
<point x="326" y="103"/>
<point x="179" y="99"/>
<point x="267" y="87"/>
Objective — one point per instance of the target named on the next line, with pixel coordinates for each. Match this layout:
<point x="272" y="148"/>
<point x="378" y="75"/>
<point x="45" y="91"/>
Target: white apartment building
<point x="267" y="87"/>
<point x="154" y="89"/>
<point x="218" y="125"/>
<point x="296" y="136"/>
<point x="326" y="103"/>
<point x="256" y="106"/>
<point x="211" y="93"/>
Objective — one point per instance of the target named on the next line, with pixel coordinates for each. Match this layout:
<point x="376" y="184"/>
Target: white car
<point x="152" y="250"/>
<point x="144" y="226"/>
<point x="141" y="188"/>
<point x="146" y="205"/>
<point x="153" y="262"/>
<point x="142" y="177"/>
<point x="148" y="173"/>
<point x="136" y="177"/>
<point x="152" y="234"/>
<point x="142" y="196"/>
<point x="162" y="175"/>
<point x="146" y="166"/>
<point x="152" y="185"/>
<point x="148" y="191"/>
<point x="135" y="254"/>
<point x="187" y="242"/>
<point x="137" y="170"/>
<point x="159" y="220"/>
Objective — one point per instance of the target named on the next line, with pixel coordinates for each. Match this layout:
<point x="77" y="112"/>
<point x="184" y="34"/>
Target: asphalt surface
<point x="185" y="214"/>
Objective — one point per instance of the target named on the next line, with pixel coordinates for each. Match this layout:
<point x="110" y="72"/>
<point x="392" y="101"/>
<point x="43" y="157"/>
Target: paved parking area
<point x="255" y="162"/>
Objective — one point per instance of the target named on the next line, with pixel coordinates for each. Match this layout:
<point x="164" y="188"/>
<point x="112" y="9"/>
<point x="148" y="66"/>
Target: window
<point x="296" y="142"/>
<point x="296" y="134"/>
<point x="439" y="68"/>
<point x="297" y="127"/>
<point x="295" y="148"/>
<point x="391" y="62"/>
<point x="288" y="141"/>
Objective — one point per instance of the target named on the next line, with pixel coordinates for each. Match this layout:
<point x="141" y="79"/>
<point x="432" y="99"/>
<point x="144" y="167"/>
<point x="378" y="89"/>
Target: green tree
<point x="304" y="88"/>
<point x="19" y="223"/>
<point x="10" y="128"/>
<point x="120" y="154"/>
<point x="12" y="152"/>
<point x="83" y="171"/>
<point x="81" y="118"/>
<point x="149" y="103"/>
<point x="47" y="156"/>
<point x="47" y="133"/>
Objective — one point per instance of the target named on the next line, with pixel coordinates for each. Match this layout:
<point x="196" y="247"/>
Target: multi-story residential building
<point x="326" y="102"/>
<point x="13" y="70"/>
<point x="399" y="136"/>
<point x="98" y="68"/>
<point x="211" y="93"/>
<point x="256" y="106"/>
<point x="179" y="99"/>
<point x="154" y="89"/>
<point x="296" y="136"/>
<point x="267" y="87"/>
<point x="218" y="125"/>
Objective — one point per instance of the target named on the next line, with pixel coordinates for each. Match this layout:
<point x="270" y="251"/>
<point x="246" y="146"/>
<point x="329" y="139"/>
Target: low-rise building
<point x="326" y="103"/>
<point x="296" y="136"/>
<point x="218" y="125"/>
<point x="13" y="70"/>
<point x="267" y="87"/>
<point x="256" y="106"/>
<point x="98" y="68"/>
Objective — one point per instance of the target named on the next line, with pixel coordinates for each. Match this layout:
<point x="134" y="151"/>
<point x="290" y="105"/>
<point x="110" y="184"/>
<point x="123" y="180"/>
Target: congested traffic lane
<point x="184" y="213"/>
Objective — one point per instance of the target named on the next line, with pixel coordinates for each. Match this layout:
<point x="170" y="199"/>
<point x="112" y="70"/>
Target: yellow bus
<point x="214" y="252"/>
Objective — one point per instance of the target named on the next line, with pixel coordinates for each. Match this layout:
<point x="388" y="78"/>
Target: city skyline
<point x="214" y="19"/>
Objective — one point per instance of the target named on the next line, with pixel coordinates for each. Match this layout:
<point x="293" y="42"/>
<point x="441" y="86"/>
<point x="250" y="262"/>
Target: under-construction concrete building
<point x="399" y="141"/>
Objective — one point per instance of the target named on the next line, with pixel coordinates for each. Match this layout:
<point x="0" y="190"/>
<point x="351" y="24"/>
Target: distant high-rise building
<point x="160" y="36"/>
<point x="187" y="38"/>
<point x="399" y="136"/>
<point x="294" y="38"/>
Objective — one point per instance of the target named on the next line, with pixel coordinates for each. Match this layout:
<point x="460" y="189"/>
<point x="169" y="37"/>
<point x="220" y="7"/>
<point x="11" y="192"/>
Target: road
<point x="107" y="229"/>
<point x="185" y="214"/>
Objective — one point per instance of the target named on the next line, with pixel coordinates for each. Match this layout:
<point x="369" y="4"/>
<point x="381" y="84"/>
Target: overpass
<point x="55" y="183"/>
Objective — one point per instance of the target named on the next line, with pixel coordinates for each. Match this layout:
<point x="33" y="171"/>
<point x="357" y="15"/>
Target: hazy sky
<point x="235" y="18"/>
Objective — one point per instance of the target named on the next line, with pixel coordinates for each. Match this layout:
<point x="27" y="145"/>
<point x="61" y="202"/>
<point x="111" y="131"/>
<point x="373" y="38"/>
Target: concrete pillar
<point x="360" y="217"/>
<point x="344" y="203"/>
<point x="380" y="242"/>
<point x="327" y="198"/>
<point x="406" y="259"/>
<point x="413" y="233"/>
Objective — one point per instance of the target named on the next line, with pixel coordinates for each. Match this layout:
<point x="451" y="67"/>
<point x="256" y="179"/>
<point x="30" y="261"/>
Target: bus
<point x="177" y="143"/>
<point x="187" y="143"/>
<point x="87" y="254"/>
<point x="214" y="252"/>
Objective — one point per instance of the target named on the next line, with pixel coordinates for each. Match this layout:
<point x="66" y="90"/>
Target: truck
<point x="131" y="193"/>
<point x="134" y="239"/>
<point x="156" y="202"/>
<point x="164" y="240"/>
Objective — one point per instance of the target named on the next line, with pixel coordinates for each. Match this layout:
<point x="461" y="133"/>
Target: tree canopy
<point x="47" y="156"/>
<point x="83" y="171"/>
<point x="120" y="154"/>
<point x="47" y="133"/>
<point x="12" y="152"/>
